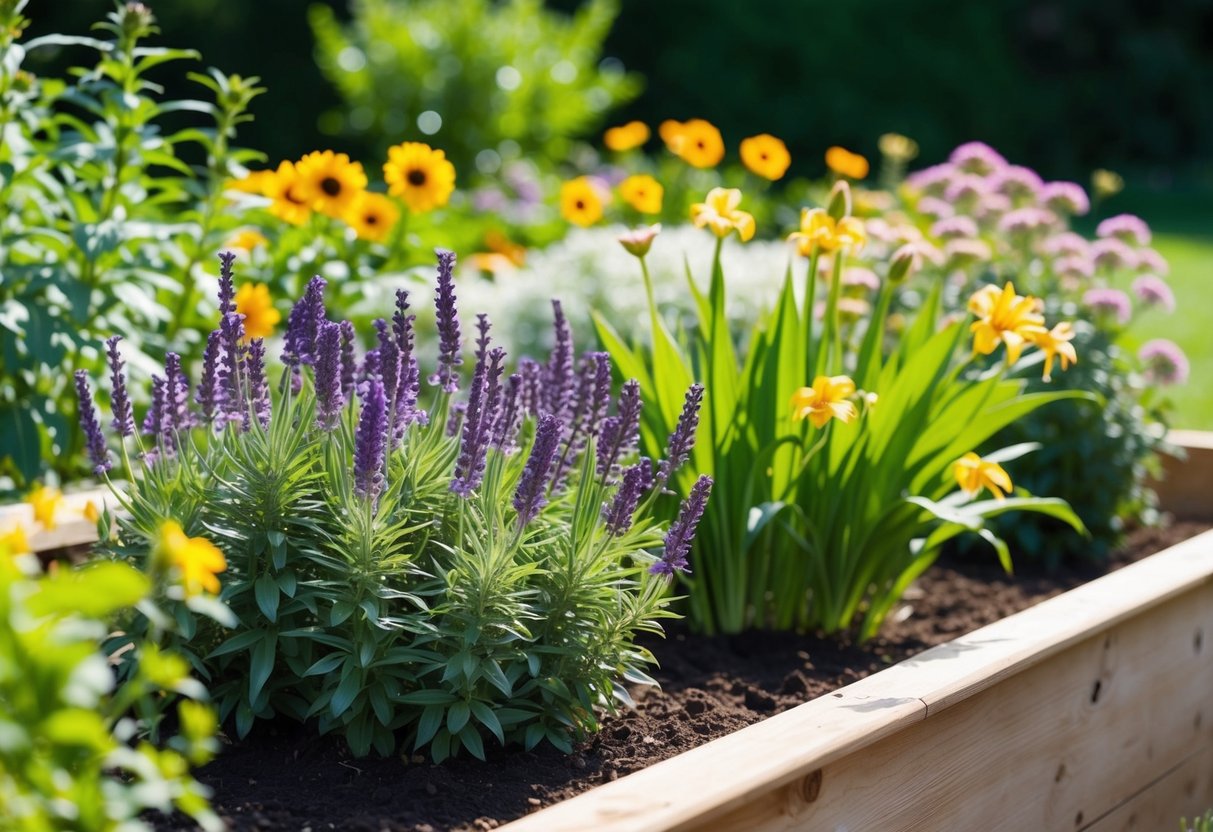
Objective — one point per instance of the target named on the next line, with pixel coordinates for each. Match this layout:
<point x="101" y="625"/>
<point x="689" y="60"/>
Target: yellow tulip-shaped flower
<point x="260" y="317"/>
<point x="973" y="473"/>
<point x="818" y="229"/>
<point x="828" y="398"/>
<point x="45" y="501"/>
<point x="1056" y="342"/>
<point x="1004" y="317"/>
<point x="197" y="559"/>
<point x="719" y="212"/>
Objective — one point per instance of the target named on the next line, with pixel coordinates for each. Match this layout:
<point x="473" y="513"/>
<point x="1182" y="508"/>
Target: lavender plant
<point x="473" y="565"/>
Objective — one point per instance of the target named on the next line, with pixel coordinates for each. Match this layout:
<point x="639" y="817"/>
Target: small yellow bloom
<point x="765" y="156"/>
<point x="696" y="142"/>
<point x="197" y="559"/>
<point x="1055" y="342"/>
<point x="14" y="541"/>
<point x="372" y="216"/>
<point x="819" y="229"/>
<point x="1003" y="316"/>
<point x="420" y="175"/>
<point x="642" y="192"/>
<point x="627" y="136"/>
<point x="828" y="398"/>
<point x="581" y="201"/>
<point x="247" y="239"/>
<point x="91" y="512"/>
<point x="974" y="473"/>
<point x="719" y="212"/>
<point x="638" y="241"/>
<point x="254" y="182"/>
<point x="330" y="181"/>
<point x="1107" y="183"/>
<point x="260" y="317"/>
<point x="897" y="147"/>
<point x="288" y="202"/>
<point x="845" y="163"/>
<point x="45" y="501"/>
<point x="670" y="130"/>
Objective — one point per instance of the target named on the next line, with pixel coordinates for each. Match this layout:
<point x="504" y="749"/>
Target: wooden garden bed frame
<point x="1090" y="711"/>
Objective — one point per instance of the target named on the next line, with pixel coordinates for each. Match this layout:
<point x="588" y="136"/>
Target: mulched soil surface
<point x="285" y="778"/>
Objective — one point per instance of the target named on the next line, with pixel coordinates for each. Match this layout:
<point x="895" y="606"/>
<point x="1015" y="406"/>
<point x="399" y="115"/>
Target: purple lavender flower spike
<point x="176" y="395"/>
<point x="529" y="498"/>
<point x="349" y="364"/>
<point x="478" y="423"/>
<point x="600" y="392"/>
<point x="370" y="445"/>
<point x="98" y="453"/>
<point x="454" y="419"/>
<point x="559" y="378"/>
<point x="682" y="440"/>
<point x="120" y="402"/>
<point x="153" y="420"/>
<point x="617" y="515"/>
<point x="227" y="287"/>
<point x="505" y="430"/>
<point x="483" y="325"/>
<point x="620" y="433"/>
<point x="329" y="396"/>
<point x="232" y="331"/>
<point x="303" y="325"/>
<point x="531" y="395"/>
<point x="593" y="396"/>
<point x="209" y="396"/>
<point x="370" y="365"/>
<point x="682" y="531"/>
<point x="450" y="344"/>
<point x="259" y="389"/>
<point x="381" y="332"/>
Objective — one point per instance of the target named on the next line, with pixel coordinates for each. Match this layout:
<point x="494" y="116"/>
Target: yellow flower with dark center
<point x="247" y="239"/>
<point x="627" y="136"/>
<point x="1056" y="342"/>
<point x="1004" y="317"/>
<point x="46" y="502"/>
<point x="420" y="175"/>
<point x="696" y="142"/>
<point x="818" y="229"/>
<point x="828" y="398"/>
<point x="765" y="156"/>
<point x="372" y="216"/>
<point x="581" y="202"/>
<point x="260" y="317"/>
<point x="288" y="202"/>
<point x="196" y="559"/>
<point x="14" y="541"/>
<point x="254" y="182"/>
<point x="973" y="473"/>
<point x="329" y="181"/>
<point x="719" y="212"/>
<point x="845" y="163"/>
<point x="642" y="192"/>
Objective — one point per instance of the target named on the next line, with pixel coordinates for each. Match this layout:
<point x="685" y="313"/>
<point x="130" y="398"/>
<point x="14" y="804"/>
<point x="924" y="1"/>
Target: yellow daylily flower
<point x="45" y="501"/>
<point x="1056" y="342"/>
<point x="196" y="558"/>
<point x="719" y="212"/>
<point x="260" y="317"/>
<point x="818" y="228"/>
<point x="973" y="473"/>
<point x="828" y="398"/>
<point x="14" y="540"/>
<point x="1003" y="316"/>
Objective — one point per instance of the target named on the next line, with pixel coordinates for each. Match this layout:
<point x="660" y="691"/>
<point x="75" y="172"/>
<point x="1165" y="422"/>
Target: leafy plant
<point x="70" y="753"/>
<point x="816" y="526"/>
<point x="1204" y="823"/>
<point x="478" y="567"/>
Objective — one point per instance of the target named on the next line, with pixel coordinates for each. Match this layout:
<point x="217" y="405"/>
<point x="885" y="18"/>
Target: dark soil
<point x="285" y="778"/>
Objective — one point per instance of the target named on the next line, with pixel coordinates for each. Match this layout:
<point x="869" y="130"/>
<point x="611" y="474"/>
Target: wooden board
<point x="1186" y="489"/>
<point x="72" y="528"/>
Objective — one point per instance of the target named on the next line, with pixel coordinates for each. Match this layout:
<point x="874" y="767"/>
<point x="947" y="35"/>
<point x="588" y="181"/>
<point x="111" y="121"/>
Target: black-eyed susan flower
<point x="372" y="216"/>
<point x="719" y="212"/>
<point x="696" y="142"/>
<point x="45" y="501"/>
<point x="638" y="241"/>
<point x="828" y="398"/>
<point x="626" y="136"/>
<point x="247" y="239"/>
<point x="845" y="163"/>
<point x="1056" y="342"/>
<point x="288" y="203"/>
<point x="765" y="156"/>
<point x="1004" y="317"/>
<point x="581" y="201"/>
<point x="329" y="181"/>
<point x="642" y="192"/>
<point x="819" y="230"/>
<point x="420" y="175"/>
<point x="196" y="559"/>
<point x="973" y="473"/>
<point x="260" y="317"/>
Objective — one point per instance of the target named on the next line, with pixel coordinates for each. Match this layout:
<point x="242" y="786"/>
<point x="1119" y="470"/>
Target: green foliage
<point x="826" y="526"/>
<point x="421" y="614"/>
<point x="103" y="218"/>
<point x="1204" y="823"/>
<point x="70" y="756"/>
<point x="507" y="79"/>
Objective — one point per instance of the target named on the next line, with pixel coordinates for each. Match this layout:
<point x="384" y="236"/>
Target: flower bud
<point x="897" y="147"/>
<point x="906" y="261"/>
<point x="638" y="241"/>
<point x="839" y="205"/>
